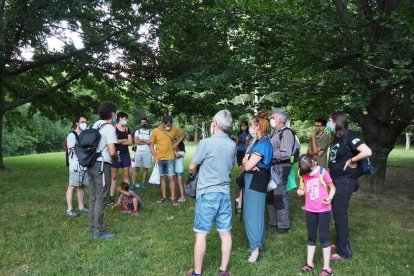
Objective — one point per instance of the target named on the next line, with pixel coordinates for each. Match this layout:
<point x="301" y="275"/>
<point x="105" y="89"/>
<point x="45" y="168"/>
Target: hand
<point x="255" y="169"/>
<point x="300" y="192"/>
<point x="327" y="201"/>
<point x="350" y="164"/>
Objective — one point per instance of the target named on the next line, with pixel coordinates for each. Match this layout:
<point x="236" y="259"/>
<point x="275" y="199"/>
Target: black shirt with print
<point x="343" y="149"/>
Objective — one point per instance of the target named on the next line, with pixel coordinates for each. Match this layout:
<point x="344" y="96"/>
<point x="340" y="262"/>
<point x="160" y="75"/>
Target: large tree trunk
<point x="1" y="141"/>
<point x="407" y="141"/>
<point x="196" y="133"/>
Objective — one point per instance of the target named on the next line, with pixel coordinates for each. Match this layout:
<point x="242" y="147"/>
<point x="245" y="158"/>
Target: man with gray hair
<point x="215" y="158"/>
<point x="283" y="141"/>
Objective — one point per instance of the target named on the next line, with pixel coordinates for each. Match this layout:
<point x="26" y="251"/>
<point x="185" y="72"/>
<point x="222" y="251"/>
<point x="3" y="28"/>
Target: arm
<point x="193" y="166"/>
<point x="117" y="203"/>
<point x="152" y="149"/>
<point x="363" y="152"/>
<point x="123" y="192"/>
<point x="112" y="151"/>
<point x="181" y="137"/>
<point x="249" y="164"/>
<point x="332" y="190"/>
<point x="126" y="142"/>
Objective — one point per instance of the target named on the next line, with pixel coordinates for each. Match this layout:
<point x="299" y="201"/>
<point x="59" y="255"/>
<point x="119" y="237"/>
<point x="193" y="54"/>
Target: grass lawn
<point x="38" y="238"/>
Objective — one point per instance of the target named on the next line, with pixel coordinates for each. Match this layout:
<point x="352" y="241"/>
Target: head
<point x="107" y="110"/>
<point x="306" y="163"/>
<point x="181" y="146"/>
<point x="167" y="122"/>
<point x="339" y="123"/>
<point x="319" y="125"/>
<point x="80" y="122"/>
<point x="124" y="186"/>
<point x="244" y="127"/>
<point x="221" y="122"/>
<point x="122" y="118"/>
<point x="260" y="124"/>
<point x="144" y="123"/>
<point x="279" y="117"/>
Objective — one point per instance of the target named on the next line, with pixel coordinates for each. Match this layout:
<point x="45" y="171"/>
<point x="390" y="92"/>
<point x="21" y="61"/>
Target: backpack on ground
<point x="296" y="145"/>
<point x="67" y="153"/>
<point x="88" y="142"/>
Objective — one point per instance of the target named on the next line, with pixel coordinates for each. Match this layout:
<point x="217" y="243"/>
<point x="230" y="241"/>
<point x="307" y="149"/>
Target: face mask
<point x="167" y="128"/>
<point x="114" y="119"/>
<point x="124" y="122"/>
<point x="144" y="126"/>
<point x="83" y="126"/>
<point x="252" y="132"/>
<point x="272" y="123"/>
<point x="329" y="127"/>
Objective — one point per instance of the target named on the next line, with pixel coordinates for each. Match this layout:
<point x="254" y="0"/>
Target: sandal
<point x="162" y="200"/>
<point x="174" y="201"/>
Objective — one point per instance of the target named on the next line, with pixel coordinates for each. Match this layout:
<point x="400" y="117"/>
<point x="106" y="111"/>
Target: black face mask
<point x="144" y="125"/>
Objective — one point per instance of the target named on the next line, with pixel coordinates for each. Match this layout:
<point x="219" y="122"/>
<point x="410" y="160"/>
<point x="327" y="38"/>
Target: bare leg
<point x="69" y="196"/>
<point x="125" y="174"/>
<point x="163" y="187"/>
<point x="172" y="186"/>
<point x="81" y="193"/>
<point x="114" y="180"/>
<point x="135" y="203"/>
<point x="199" y="251"/>
<point x="226" y="244"/>
<point x="144" y="175"/>
<point x="135" y="175"/>
<point x="180" y="185"/>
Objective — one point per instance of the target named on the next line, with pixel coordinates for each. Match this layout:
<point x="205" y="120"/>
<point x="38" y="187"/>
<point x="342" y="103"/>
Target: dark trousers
<point x="315" y="221"/>
<point x="340" y="203"/>
<point x="99" y="183"/>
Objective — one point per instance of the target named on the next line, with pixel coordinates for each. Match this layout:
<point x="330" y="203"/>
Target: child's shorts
<point x="131" y="205"/>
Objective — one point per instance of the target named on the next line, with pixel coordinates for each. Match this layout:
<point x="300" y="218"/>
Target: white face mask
<point x="167" y="128"/>
<point x="252" y="132"/>
<point x="83" y="126"/>
<point x="124" y="122"/>
<point x="272" y="123"/>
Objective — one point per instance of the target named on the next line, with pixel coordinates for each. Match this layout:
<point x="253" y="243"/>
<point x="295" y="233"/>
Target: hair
<point x="306" y="161"/>
<point x="223" y="119"/>
<point x="341" y="123"/>
<point x="167" y="119"/>
<point x="181" y="146"/>
<point x="106" y="109"/>
<point x="143" y="119"/>
<point x="261" y="120"/>
<point x="281" y="113"/>
<point x="322" y="121"/>
<point x="120" y="115"/>
<point x="124" y="186"/>
<point x="77" y="118"/>
<point x="247" y="129"/>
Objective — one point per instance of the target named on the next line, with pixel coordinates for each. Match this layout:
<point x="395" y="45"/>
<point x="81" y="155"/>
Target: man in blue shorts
<point x="215" y="157"/>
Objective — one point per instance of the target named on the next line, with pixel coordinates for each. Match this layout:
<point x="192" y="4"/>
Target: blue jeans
<point x="212" y="207"/>
<point x="166" y="167"/>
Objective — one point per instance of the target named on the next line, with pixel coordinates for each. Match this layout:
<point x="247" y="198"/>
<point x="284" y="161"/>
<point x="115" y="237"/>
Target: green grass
<point x="37" y="237"/>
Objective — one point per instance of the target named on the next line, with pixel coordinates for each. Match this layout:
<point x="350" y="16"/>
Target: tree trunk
<point x="1" y="141"/>
<point x="196" y="133"/>
<point x="407" y="141"/>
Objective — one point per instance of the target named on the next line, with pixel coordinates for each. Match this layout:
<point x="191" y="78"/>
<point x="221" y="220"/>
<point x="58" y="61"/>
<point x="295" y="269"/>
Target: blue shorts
<point x="179" y="173"/>
<point x="166" y="167"/>
<point x="125" y="161"/>
<point x="212" y="207"/>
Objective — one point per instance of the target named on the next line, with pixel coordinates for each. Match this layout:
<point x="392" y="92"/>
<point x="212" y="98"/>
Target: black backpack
<point x="296" y="144"/>
<point x="88" y="142"/>
<point x="364" y="165"/>
<point x="190" y="186"/>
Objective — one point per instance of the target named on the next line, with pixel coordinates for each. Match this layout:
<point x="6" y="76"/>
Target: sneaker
<point x="281" y="231"/>
<point x="103" y="236"/>
<point x="338" y="258"/>
<point x="83" y="210"/>
<point x="326" y="272"/>
<point x="307" y="268"/>
<point x="133" y="186"/>
<point x="162" y="200"/>
<point x="72" y="213"/>
<point x="224" y="272"/>
<point x="126" y="211"/>
<point x="181" y="199"/>
<point x="135" y="213"/>
<point x="143" y="186"/>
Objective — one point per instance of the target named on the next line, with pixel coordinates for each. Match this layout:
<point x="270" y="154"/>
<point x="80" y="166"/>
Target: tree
<point x="32" y="71"/>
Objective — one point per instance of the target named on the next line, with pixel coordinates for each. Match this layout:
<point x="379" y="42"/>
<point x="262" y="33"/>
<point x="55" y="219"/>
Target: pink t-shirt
<point x="315" y="191"/>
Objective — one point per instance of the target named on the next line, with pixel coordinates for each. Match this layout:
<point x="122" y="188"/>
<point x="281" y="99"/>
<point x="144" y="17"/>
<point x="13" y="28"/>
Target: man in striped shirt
<point x="283" y="141"/>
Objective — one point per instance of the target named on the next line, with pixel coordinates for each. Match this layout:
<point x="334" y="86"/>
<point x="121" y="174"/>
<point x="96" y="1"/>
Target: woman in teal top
<point x="257" y="164"/>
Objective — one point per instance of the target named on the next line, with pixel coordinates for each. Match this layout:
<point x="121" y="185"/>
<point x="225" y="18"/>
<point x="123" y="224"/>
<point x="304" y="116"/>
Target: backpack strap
<point x="293" y="133"/>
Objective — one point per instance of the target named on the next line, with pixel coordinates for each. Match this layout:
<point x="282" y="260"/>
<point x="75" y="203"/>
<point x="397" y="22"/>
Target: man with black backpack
<point x="99" y="165"/>
<point x="78" y="177"/>
<point x="285" y="151"/>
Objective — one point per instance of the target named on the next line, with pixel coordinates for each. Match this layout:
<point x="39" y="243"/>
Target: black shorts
<point x="240" y="156"/>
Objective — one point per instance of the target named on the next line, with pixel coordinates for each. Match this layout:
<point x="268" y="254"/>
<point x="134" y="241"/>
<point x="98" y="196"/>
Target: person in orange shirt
<point x="164" y="140"/>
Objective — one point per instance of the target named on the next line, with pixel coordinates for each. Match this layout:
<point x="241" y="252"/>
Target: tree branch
<point x="43" y="94"/>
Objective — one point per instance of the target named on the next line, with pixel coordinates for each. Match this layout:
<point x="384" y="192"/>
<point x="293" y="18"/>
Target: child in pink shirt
<point x="319" y="190"/>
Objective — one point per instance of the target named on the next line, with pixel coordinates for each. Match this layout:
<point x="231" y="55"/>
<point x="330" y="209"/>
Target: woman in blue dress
<point x="257" y="164"/>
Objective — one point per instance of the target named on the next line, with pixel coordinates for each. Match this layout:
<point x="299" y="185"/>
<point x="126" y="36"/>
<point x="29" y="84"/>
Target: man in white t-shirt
<point x="78" y="177"/>
<point x="100" y="173"/>
<point x="142" y="155"/>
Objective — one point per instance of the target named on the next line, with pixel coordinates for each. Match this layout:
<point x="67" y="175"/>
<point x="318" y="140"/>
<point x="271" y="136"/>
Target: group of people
<point x="164" y="144"/>
<point x="263" y="150"/>
<point x="264" y="154"/>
